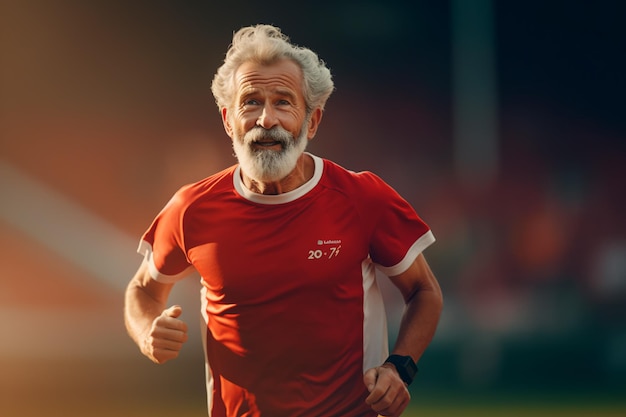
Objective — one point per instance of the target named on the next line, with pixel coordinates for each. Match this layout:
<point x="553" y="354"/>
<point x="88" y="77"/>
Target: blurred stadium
<point x="503" y="123"/>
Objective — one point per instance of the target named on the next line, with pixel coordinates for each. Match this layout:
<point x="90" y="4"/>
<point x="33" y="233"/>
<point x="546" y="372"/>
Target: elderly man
<point x="287" y="245"/>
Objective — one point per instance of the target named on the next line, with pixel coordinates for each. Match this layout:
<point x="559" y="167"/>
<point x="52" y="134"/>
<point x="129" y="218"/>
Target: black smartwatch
<point x="407" y="369"/>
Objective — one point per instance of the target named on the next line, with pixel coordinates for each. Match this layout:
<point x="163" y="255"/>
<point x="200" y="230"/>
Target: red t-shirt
<point x="293" y="312"/>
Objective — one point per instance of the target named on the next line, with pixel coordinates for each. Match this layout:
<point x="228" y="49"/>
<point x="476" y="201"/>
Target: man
<point x="287" y="244"/>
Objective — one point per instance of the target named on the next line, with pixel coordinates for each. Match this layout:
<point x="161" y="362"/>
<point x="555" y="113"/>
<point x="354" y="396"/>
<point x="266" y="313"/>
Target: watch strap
<point x="406" y="367"/>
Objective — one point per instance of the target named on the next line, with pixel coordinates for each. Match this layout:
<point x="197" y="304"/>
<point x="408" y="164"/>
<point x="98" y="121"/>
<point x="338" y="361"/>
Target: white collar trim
<point x="280" y="198"/>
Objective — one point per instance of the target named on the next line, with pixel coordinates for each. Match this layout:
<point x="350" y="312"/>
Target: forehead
<point x="284" y="74"/>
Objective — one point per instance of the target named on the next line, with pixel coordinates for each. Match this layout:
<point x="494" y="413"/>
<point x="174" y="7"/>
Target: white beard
<point x="267" y="165"/>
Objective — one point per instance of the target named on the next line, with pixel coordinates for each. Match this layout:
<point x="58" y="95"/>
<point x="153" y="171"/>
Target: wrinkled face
<point x="268" y="120"/>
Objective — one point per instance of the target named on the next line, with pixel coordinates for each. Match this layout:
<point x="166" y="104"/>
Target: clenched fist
<point x="389" y="395"/>
<point x="166" y="336"/>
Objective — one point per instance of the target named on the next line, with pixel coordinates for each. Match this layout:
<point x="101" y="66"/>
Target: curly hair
<point x="266" y="44"/>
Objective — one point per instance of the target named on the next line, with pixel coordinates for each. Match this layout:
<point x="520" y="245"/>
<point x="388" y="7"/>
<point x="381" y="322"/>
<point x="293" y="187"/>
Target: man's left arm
<point x="389" y="395"/>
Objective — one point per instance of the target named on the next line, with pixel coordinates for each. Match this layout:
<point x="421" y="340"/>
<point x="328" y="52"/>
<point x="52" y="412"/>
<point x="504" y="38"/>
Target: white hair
<point x="266" y="44"/>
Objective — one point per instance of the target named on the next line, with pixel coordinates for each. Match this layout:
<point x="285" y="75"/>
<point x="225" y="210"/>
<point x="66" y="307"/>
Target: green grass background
<point x="76" y="387"/>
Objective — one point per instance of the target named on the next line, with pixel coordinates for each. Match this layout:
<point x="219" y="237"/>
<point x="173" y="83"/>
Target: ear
<point x="227" y="126"/>
<point x="314" y="122"/>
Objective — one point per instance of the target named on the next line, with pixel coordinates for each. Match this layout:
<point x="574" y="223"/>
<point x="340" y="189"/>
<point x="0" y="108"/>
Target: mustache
<point x="276" y="133"/>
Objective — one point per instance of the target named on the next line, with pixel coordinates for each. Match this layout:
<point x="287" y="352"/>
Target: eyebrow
<point x="283" y="92"/>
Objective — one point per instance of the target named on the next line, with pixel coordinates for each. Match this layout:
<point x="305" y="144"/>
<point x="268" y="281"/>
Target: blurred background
<point x="502" y="122"/>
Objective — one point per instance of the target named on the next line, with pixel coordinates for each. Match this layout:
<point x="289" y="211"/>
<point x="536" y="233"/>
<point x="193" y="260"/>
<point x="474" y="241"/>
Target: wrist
<point x="405" y="366"/>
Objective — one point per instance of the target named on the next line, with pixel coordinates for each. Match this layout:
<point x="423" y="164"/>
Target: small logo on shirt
<point x="329" y="242"/>
<point x="330" y="249"/>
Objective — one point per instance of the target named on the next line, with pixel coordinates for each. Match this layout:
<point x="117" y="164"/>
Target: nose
<point x="267" y="119"/>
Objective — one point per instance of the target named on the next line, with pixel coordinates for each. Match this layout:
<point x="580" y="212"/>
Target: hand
<point x="166" y="336"/>
<point x="389" y="395"/>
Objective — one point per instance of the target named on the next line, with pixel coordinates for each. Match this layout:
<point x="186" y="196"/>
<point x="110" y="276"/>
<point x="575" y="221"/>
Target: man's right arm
<point x="155" y="329"/>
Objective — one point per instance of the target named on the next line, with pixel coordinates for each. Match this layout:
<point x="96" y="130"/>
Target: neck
<point x="303" y="172"/>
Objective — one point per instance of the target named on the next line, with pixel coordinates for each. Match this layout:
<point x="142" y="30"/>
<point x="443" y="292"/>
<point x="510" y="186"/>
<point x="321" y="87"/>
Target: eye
<point x="251" y="102"/>
<point x="283" y="102"/>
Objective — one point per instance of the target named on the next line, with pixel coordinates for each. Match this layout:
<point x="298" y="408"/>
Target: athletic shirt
<point x="293" y="313"/>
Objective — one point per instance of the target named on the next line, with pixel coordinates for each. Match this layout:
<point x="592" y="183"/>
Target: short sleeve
<point x="162" y="245"/>
<point x="399" y="235"/>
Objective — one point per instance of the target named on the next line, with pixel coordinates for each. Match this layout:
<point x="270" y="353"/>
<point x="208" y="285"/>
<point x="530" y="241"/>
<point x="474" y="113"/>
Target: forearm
<point x="419" y="322"/>
<point x="145" y="299"/>
<point x="388" y="393"/>
<point x="140" y="310"/>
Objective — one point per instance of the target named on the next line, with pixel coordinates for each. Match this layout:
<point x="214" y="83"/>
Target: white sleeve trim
<point x="418" y="247"/>
<point x="145" y="249"/>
